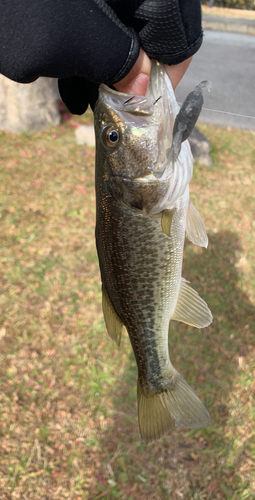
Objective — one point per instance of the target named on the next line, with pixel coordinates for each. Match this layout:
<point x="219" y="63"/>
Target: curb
<point x="232" y="25"/>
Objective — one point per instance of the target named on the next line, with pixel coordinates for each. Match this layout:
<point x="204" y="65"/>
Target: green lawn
<point x="68" y="412"/>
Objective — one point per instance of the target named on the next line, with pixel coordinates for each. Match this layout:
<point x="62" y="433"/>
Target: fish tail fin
<point x="176" y="406"/>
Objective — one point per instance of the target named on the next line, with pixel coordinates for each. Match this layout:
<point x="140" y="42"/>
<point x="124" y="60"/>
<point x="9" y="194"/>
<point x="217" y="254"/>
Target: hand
<point x="136" y="81"/>
<point x="94" y="41"/>
<point x="177" y="71"/>
<point x="164" y="36"/>
<point x="170" y="33"/>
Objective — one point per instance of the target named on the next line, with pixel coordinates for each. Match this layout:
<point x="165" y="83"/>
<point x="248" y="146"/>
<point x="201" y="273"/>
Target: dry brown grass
<point x="68" y="395"/>
<point x="223" y="12"/>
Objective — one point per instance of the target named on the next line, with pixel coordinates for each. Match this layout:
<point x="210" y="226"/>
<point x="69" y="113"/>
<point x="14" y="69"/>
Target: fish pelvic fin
<point x="176" y="406"/>
<point x="190" y="308"/>
<point x="113" y="323"/>
<point x="195" y="228"/>
<point x="166" y="221"/>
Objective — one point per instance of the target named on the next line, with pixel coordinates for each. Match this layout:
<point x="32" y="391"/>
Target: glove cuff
<point x="130" y="61"/>
<point x="179" y="57"/>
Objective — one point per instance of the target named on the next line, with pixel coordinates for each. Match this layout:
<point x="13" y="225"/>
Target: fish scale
<point x="140" y="229"/>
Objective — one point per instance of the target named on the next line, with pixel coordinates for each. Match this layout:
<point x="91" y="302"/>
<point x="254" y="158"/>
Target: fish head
<point x="127" y="132"/>
<point x="133" y="136"/>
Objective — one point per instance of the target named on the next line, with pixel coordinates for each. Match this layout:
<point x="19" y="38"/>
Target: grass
<point x="68" y="414"/>
<point x="225" y="12"/>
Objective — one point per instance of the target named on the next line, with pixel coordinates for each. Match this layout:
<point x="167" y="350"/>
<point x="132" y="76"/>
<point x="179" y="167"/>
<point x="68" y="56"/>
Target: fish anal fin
<point x="190" y="308"/>
<point x="166" y="221"/>
<point x="113" y="323"/>
<point x="176" y="406"/>
<point x="195" y="228"/>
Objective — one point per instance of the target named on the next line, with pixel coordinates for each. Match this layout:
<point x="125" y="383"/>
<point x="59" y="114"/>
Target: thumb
<point x="136" y="82"/>
<point x="176" y="71"/>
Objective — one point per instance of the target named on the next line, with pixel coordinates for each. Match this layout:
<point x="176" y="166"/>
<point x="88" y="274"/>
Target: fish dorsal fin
<point x="195" y="228"/>
<point x="113" y="323"/>
<point x="166" y="221"/>
<point x="190" y="308"/>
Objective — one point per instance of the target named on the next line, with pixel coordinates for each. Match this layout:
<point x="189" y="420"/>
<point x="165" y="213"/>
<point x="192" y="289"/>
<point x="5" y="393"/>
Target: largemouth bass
<point x="143" y="169"/>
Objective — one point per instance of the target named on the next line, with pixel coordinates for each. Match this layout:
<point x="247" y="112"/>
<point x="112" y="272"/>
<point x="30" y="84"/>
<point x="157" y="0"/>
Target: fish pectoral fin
<point x="176" y="406"/>
<point x="113" y="323"/>
<point x="166" y="221"/>
<point x="195" y="228"/>
<point x="190" y="308"/>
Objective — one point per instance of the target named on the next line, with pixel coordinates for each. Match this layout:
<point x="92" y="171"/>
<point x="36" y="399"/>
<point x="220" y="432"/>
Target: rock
<point x="200" y="147"/>
<point x="85" y="135"/>
<point x="28" y="107"/>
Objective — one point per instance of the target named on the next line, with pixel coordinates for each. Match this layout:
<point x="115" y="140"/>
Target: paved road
<point x="228" y="61"/>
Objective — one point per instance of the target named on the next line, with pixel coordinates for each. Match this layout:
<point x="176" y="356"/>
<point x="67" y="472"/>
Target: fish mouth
<point x="155" y="176"/>
<point x="148" y="178"/>
<point x="134" y="104"/>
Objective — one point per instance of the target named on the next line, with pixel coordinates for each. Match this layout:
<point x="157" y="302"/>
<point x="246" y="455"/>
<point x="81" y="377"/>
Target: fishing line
<point x="229" y="113"/>
<point x="226" y="112"/>
<point x="128" y="100"/>
<point x="157" y="100"/>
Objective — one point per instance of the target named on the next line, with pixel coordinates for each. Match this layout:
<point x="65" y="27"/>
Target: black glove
<point x="84" y="41"/>
<point x="169" y="31"/>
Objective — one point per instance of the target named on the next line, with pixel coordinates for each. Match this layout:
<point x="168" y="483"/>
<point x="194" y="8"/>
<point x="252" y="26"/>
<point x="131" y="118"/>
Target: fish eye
<point x="111" y="137"/>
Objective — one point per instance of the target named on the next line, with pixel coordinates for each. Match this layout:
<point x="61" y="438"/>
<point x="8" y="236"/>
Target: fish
<point x="143" y="211"/>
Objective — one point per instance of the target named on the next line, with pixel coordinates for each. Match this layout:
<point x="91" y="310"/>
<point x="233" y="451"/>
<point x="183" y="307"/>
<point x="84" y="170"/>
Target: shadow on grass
<point x="210" y="361"/>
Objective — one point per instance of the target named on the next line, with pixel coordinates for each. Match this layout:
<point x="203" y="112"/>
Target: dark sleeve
<point x="63" y="38"/>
